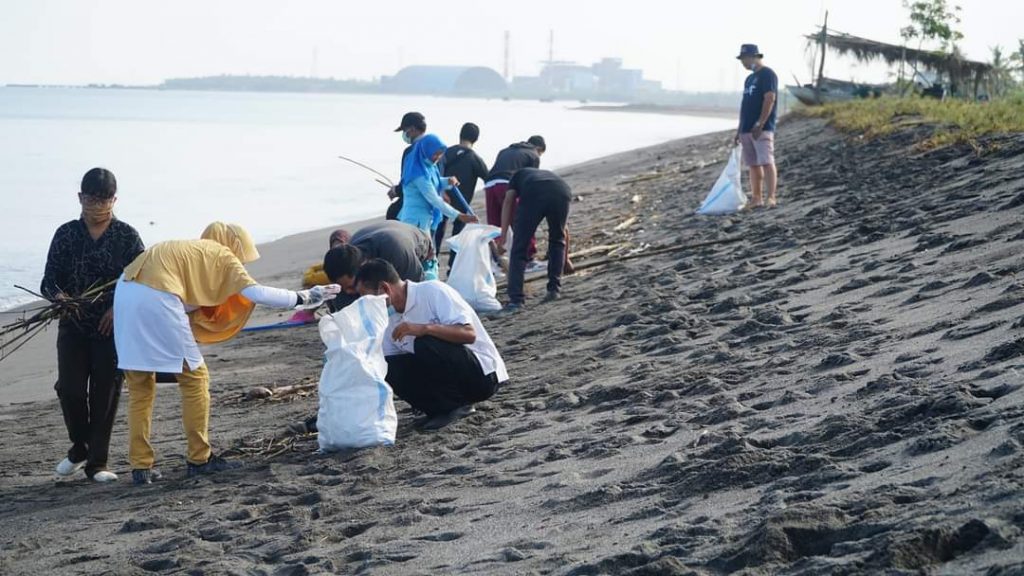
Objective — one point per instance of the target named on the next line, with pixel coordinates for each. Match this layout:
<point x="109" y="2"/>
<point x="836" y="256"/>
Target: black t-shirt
<point x="537" y="181"/>
<point x="467" y="166"/>
<point x="511" y="159"/>
<point x="754" y="89"/>
<point x="76" y="263"/>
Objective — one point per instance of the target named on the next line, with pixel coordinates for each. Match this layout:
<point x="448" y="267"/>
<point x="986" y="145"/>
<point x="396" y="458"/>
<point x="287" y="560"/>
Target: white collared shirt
<point x="437" y="303"/>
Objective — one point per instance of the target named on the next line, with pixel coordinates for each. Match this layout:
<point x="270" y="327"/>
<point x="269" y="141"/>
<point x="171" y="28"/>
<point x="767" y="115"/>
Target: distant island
<point x="606" y="81"/>
<point x="229" y="83"/>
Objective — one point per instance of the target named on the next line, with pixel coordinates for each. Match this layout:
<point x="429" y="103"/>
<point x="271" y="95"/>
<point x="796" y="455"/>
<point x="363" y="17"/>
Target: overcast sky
<point x="684" y="44"/>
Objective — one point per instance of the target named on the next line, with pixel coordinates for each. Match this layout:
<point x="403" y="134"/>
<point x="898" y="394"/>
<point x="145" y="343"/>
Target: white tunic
<point x="152" y="331"/>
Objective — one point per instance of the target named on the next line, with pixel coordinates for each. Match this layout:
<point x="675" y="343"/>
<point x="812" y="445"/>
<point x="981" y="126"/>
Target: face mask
<point x="391" y="310"/>
<point x="406" y="138"/>
<point x="97" y="213"/>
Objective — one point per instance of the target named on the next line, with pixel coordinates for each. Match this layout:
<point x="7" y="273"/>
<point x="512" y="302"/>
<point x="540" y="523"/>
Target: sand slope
<point x="839" y="392"/>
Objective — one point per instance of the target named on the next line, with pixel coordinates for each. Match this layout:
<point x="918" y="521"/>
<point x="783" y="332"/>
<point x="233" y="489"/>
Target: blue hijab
<point x="419" y="162"/>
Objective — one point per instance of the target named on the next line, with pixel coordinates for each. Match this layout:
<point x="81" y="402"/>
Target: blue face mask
<point x="391" y="310"/>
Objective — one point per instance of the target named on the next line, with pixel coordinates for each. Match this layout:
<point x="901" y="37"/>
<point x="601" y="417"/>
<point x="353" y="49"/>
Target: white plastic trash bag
<point x="357" y="407"/>
<point x="471" y="276"/>
<point x="726" y="195"/>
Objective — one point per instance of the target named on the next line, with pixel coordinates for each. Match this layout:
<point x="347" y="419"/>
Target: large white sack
<point x="726" y="195"/>
<point x="357" y="407"/>
<point x="471" y="275"/>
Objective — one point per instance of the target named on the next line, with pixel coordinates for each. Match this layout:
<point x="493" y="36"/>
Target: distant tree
<point x="1018" y="59"/>
<point x="1001" y="77"/>
<point x="932" y="21"/>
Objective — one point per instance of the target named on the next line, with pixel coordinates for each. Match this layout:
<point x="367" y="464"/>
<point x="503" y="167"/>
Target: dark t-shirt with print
<point x="76" y="263"/>
<point x="757" y="84"/>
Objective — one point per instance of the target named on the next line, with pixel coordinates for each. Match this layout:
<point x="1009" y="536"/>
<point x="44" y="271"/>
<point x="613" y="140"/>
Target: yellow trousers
<point x="195" y="414"/>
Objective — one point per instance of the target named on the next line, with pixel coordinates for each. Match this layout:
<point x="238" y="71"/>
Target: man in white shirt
<point x="440" y="358"/>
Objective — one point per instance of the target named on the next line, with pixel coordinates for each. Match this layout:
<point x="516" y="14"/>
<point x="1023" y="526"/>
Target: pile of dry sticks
<point x="34" y="320"/>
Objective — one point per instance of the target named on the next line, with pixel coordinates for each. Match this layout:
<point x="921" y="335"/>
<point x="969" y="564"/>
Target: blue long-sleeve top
<point x="421" y="180"/>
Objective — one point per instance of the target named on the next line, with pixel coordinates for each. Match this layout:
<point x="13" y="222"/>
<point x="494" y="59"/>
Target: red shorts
<point x="495" y="199"/>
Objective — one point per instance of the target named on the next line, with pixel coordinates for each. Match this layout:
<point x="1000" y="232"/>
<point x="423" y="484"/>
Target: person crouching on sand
<point x="440" y="358"/>
<point x="86" y="254"/>
<point x="171" y="297"/>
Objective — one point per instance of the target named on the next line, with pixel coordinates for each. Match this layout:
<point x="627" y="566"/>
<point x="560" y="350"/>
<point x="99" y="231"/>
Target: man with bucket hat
<point x="756" y="132"/>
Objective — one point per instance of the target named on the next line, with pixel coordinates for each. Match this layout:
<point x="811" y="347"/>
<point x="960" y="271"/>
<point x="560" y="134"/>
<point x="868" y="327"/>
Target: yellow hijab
<point x="208" y="273"/>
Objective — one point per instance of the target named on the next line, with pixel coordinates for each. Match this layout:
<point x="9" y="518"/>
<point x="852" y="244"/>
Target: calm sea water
<point x="266" y="161"/>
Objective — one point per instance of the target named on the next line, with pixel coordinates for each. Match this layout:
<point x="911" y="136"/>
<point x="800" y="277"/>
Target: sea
<point x="267" y="161"/>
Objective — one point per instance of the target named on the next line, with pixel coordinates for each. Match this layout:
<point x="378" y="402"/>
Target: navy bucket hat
<point x="749" y="50"/>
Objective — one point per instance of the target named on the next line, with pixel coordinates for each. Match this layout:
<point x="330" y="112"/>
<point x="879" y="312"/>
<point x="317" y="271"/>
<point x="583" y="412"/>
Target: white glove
<point x="317" y="295"/>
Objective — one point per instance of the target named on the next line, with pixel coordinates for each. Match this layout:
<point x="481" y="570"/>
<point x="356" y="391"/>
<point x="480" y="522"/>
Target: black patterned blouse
<point x="77" y="263"/>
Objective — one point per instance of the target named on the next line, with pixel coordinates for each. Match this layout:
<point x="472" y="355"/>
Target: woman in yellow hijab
<point x="172" y="297"/>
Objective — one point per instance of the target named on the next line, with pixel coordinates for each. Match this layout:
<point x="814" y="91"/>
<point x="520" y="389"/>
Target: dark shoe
<point x="142" y="476"/>
<point x="442" y="420"/>
<point x="213" y="465"/>
<point x="552" y="296"/>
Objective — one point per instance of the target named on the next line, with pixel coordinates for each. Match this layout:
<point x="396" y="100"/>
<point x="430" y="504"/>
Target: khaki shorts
<point x="760" y="152"/>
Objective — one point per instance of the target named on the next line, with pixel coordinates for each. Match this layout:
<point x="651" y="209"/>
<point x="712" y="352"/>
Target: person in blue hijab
<point x="423" y="186"/>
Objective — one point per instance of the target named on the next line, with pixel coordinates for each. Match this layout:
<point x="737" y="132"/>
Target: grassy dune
<point x="951" y="121"/>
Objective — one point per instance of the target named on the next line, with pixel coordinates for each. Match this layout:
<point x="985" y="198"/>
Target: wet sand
<point x="836" y="392"/>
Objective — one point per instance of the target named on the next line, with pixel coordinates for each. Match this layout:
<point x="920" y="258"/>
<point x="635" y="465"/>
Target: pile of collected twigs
<point x="35" y="319"/>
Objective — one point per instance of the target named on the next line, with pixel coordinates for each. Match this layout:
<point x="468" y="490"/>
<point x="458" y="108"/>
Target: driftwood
<point x="643" y="178"/>
<point x="266" y="448"/>
<point x="264" y="393"/>
<point x="597" y="250"/>
<point x="625" y="223"/>
<point x="644" y="254"/>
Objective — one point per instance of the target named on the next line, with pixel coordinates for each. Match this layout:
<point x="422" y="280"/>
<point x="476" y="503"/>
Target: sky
<point x="686" y="45"/>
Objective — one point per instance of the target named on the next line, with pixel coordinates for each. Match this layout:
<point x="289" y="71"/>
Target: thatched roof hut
<point x="953" y="65"/>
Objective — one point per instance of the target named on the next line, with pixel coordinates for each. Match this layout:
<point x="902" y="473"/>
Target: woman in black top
<point x="84" y="254"/>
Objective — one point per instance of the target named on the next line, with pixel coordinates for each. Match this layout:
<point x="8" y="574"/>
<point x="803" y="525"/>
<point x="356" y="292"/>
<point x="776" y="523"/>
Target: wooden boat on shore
<point x="830" y="90"/>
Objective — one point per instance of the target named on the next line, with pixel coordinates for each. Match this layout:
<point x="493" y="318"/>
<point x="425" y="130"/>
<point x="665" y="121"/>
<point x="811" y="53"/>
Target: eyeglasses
<point x="95" y="200"/>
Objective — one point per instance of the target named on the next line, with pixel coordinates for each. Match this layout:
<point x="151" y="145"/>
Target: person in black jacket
<point x="86" y="254"/>
<point x="465" y="164"/>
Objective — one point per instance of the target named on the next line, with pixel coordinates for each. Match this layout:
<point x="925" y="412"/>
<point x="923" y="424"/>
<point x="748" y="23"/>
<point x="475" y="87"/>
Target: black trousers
<point x="439" y="376"/>
<point x="549" y="203"/>
<point x="457" y="227"/>
<point x="89" y="388"/>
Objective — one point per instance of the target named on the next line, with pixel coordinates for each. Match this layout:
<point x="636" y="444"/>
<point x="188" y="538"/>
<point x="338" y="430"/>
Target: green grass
<point x="953" y="121"/>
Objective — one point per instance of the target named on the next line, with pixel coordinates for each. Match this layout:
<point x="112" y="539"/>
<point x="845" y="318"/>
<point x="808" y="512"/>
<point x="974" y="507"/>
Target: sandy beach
<point x="832" y="388"/>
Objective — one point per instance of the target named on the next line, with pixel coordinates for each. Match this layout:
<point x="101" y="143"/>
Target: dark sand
<point x="838" y="393"/>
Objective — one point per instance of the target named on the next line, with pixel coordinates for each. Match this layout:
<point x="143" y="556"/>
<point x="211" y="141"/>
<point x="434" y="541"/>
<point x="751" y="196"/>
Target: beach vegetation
<point x="952" y="121"/>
